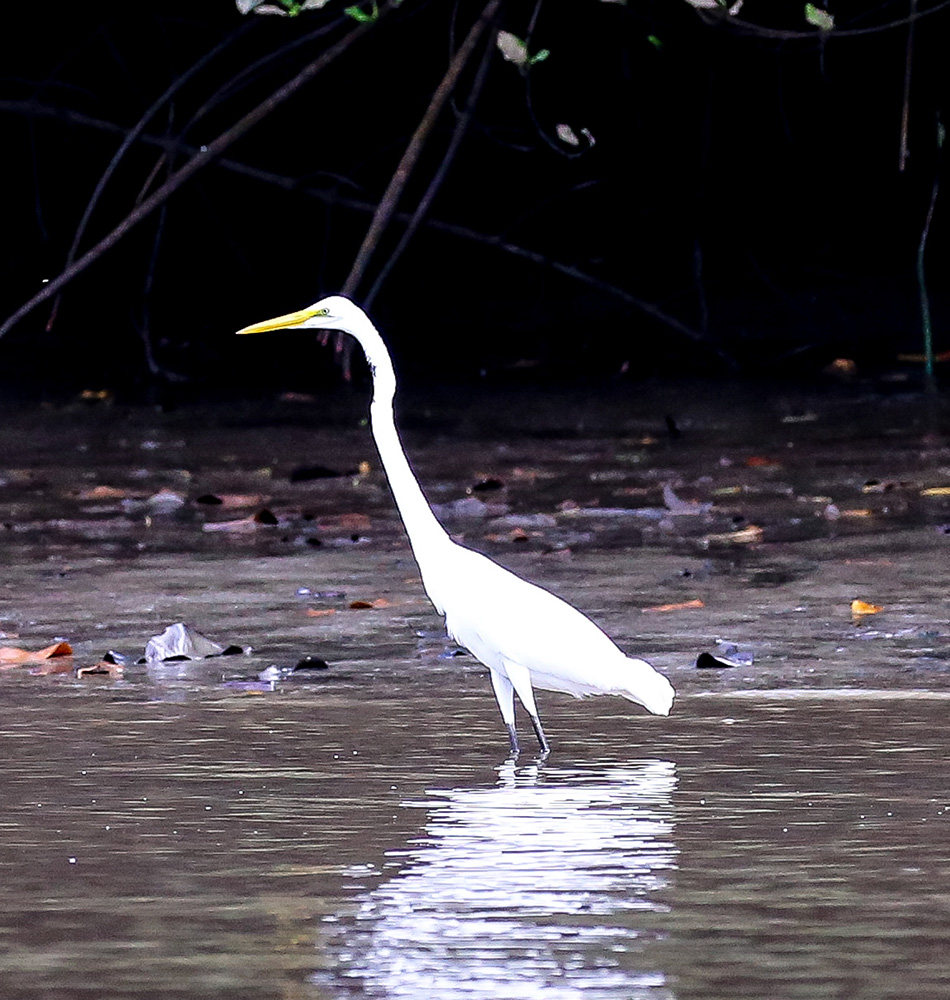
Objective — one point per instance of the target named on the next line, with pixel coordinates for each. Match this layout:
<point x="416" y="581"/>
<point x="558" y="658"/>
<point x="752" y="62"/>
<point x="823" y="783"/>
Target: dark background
<point x="744" y="181"/>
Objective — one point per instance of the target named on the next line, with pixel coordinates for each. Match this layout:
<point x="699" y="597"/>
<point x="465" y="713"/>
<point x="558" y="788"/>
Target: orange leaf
<point x="697" y="603"/>
<point x="104" y="493"/>
<point x="859" y="608"/>
<point x="760" y="462"/>
<point x="321" y="612"/>
<point x="346" y="522"/>
<point x="745" y="536"/>
<point x="380" y="602"/>
<point x="10" y="656"/>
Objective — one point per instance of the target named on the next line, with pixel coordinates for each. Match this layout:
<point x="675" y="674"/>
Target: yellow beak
<point x="279" y="322"/>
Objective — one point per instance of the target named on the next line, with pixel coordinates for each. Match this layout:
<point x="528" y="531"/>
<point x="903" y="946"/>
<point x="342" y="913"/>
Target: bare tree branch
<point x="425" y="203"/>
<point x="205" y="155"/>
<point x="292" y="185"/>
<point x="390" y="199"/>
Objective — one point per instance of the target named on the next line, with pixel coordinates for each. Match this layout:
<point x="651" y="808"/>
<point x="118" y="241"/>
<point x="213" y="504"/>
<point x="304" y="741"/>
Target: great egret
<point x="524" y="635"/>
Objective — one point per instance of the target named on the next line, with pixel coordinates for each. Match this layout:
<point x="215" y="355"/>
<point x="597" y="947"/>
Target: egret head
<point x="332" y="313"/>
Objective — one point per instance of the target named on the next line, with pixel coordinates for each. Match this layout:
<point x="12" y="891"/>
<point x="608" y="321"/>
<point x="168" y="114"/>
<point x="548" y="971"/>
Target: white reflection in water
<point x="537" y="886"/>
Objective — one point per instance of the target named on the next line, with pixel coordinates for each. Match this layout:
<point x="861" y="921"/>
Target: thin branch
<point x="390" y="199"/>
<point x="425" y="203"/>
<point x="205" y="155"/>
<point x="925" y="321"/>
<point x="130" y="137"/>
<point x="293" y="186"/>
<point x="905" y="106"/>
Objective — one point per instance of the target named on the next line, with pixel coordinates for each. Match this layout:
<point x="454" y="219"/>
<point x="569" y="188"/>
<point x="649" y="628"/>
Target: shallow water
<point x="189" y="830"/>
<point x="315" y="845"/>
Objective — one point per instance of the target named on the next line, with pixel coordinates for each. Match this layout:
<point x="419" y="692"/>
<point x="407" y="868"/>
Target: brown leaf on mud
<point x="380" y="602"/>
<point x="682" y="606"/>
<point x="346" y="522"/>
<point x="106" y="493"/>
<point x="531" y="474"/>
<point x="841" y="368"/>
<point x="10" y="656"/>
<point x="515" y="535"/>
<point x="321" y="612"/>
<point x="101" y="669"/>
<point x="861" y="608"/>
<point x="936" y="491"/>
<point x="761" y="462"/>
<point x="243" y="525"/>
<point x="230" y="501"/>
<point x="746" y="536"/>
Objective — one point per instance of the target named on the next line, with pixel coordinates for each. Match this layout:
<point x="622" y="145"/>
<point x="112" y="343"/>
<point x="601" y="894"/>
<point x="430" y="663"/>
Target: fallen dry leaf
<point x="321" y="612"/>
<point x="10" y="656"/>
<point x="841" y="367"/>
<point x="243" y="525"/>
<point x="515" y="535"/>
<point x="746" y="536"/>
<point x="683" y="605"/>
<point x="861" y="608"/>
<point x="106" y="493"/>
<point x="936" y="491"/>
<point x="760" y="462"/>
<point x="347" y="522"/>
<point x="380" y="602"/>
<point x="102" y="668"/>
<point x="231" y="501"/>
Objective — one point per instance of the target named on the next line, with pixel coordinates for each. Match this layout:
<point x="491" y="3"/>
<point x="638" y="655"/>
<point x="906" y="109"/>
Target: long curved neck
<point x="425" y="532"/>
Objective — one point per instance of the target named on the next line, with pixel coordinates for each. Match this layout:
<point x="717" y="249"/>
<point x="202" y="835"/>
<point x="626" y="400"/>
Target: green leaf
<point x="361" y="16"/>
<point x="654" y="41"/>
<point x="821" y="19"/>
<point x="539" y="56"/>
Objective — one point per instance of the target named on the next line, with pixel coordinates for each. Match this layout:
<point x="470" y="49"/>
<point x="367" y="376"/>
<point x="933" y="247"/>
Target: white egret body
<point x="525" y="635"/>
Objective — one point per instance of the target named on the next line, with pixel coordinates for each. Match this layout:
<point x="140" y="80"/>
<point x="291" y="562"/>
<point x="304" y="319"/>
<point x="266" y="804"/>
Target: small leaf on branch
<point x="821" y="19"/>
<point x="512" y="48"/>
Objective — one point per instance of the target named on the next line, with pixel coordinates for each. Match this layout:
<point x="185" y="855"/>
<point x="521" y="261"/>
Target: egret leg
<point x="505" y="696"/>
<point x="520" y="679"/>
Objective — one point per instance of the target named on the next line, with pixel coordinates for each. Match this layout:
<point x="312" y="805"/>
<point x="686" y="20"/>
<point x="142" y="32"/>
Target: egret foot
<point x="542" y="739"/>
